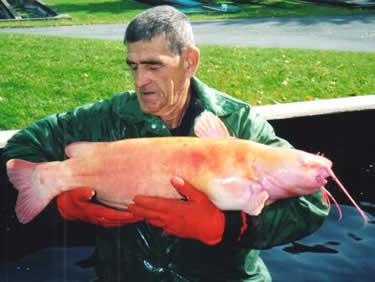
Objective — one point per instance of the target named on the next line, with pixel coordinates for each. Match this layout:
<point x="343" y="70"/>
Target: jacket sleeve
<point x="285" y="220"/>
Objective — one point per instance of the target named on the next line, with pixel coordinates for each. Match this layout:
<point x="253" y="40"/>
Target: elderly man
<point x="163" y="239"/>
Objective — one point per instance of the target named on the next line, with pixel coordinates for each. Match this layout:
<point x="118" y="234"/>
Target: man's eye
<point x="133" y="67"/>
<point x="153" y="67"/>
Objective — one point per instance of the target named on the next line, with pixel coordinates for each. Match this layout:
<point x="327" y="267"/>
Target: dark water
<point x="51" y="264"/>
<point x="341" y="250"/>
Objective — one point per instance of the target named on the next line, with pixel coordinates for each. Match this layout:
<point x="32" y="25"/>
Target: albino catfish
<point x="235" y="174"/>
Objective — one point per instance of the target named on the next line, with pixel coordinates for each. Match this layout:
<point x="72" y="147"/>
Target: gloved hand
<point x="196" y="218"/>
<point x="76" y="205"/>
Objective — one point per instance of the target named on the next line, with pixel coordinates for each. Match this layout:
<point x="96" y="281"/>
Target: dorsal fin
<point x="78" y="148"/>
<point x="209" y="125"/>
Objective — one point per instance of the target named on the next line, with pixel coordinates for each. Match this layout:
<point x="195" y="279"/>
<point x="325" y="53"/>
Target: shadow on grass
<point x="118" y="7"/>
<point x="297" y="20"/>
<point x="291" y="4"/>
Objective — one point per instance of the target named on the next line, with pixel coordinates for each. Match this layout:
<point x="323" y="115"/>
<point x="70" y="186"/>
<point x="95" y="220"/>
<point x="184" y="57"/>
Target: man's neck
<point x="175" y="121"/>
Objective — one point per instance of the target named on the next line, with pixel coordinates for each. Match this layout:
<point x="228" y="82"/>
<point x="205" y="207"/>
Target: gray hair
<point x="158" y="20"/>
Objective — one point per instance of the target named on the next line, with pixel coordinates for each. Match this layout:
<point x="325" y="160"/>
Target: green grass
<point x="41" y="75"/>
<point x="118" y="11"/>
<point x="274" y="75"/>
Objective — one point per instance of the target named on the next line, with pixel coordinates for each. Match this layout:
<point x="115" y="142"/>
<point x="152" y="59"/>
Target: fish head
<point x="290" y="172"/>
<point x="314" y="169"/>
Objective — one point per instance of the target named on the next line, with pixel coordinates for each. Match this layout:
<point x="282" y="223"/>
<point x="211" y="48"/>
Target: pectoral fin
<point x="257" y="202"/>
<point x="209" y="125"/>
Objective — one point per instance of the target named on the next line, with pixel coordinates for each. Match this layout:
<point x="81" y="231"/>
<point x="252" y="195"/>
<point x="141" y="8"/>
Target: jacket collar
<point x="213" y="100"/>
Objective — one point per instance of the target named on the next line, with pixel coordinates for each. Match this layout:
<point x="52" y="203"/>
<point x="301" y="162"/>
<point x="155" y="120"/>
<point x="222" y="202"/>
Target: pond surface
<point x="341" y="250"/>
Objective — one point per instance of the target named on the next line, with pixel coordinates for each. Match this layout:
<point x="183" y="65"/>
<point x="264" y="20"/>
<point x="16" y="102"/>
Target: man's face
<point x="160" y="77"/>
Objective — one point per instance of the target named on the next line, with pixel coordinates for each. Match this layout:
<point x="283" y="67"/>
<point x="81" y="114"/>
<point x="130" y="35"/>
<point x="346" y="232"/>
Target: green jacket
<point x="141" y="252"/>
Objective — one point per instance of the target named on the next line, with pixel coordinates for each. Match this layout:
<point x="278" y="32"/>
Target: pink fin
<point x="78" y="148"/>
<point x="257" y="202"/>
<point x="209" y="125"/>
<point x="31" y="198"/>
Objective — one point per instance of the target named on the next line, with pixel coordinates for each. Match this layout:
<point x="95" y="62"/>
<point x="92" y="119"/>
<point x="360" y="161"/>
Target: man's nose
<point x="141" y="77"/>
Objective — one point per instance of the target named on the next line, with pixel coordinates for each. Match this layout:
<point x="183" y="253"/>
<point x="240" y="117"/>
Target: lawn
<point x="118" y="11"/>
<point x="41" y="75"/>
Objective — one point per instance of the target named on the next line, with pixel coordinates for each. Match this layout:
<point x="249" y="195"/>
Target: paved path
<point x="354" y="33"/>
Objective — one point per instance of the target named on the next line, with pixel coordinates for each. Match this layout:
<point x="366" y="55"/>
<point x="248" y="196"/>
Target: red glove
<point x="197" y="218"/>
<point x="76" y="205"/>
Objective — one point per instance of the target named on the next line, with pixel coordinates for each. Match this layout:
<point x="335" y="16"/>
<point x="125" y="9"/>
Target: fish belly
<point x="120" y="170"/>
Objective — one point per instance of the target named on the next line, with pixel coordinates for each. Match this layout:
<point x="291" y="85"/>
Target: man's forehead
<point x="147" y="50"/>
<point x="158" y="45"/>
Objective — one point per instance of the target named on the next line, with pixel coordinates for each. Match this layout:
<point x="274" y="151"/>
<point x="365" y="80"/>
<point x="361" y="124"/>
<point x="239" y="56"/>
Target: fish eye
<point x="306" y="162"/>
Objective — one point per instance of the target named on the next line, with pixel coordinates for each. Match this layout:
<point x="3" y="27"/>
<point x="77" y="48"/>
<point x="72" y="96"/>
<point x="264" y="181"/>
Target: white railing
<point x="287" y="110"/>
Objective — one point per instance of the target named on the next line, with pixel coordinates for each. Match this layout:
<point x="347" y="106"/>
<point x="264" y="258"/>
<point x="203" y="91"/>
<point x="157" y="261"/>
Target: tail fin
<point x="365" y="218"/>
<point x="32" y="199"/>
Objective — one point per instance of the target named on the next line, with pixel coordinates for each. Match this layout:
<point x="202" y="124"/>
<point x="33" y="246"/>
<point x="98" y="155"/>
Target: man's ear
<point x="191" y="57"/>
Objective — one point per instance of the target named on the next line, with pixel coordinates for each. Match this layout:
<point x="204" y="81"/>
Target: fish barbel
<point x="235" y="174"/>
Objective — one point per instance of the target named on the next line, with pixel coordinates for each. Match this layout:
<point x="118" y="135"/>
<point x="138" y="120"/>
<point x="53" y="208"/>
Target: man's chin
<point x="149" y="108"/>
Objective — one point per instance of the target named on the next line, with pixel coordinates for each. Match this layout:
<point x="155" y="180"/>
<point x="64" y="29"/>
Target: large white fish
<point x="235" y="174"/>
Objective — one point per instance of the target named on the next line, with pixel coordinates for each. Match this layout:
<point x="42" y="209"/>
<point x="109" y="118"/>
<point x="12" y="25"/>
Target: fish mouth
<point x="321" y="181"/>
<point x="321" y="177"/>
